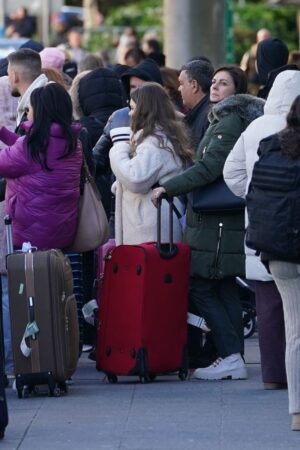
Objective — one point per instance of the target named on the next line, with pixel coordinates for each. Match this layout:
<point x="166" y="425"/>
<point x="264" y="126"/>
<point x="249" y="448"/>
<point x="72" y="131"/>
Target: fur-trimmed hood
<point x="74" y="93"/>
<point x="246" y="106"/>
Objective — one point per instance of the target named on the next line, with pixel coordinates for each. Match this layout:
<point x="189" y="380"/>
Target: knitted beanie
<point x="52" y="58"/>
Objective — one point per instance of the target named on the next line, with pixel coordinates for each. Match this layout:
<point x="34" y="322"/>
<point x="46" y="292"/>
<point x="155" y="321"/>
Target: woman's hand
<point x="156" y="193"/>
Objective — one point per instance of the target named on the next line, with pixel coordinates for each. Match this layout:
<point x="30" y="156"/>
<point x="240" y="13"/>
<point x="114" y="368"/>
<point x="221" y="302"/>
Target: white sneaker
<point x="230" y="368"/>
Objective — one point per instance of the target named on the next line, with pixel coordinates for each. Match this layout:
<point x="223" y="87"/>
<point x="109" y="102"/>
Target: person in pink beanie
<point x="52" y="58"/>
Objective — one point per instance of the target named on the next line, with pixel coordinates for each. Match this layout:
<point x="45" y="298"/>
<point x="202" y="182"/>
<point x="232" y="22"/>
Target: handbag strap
<point x="88" y="176"/>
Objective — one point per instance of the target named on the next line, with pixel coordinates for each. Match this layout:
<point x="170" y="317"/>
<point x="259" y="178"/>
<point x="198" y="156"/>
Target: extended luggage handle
<point x="168" y="250"/>
<point x="8" y="231"/>
<point x="26" y="248"/>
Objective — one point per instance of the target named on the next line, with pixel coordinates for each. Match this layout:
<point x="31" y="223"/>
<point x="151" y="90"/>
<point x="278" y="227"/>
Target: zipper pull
<point x="218" y="244"/>
<point x="220" y="229"/>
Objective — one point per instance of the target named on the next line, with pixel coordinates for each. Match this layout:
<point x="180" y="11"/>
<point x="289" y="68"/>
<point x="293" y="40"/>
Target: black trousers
<point x="219" y="303"/>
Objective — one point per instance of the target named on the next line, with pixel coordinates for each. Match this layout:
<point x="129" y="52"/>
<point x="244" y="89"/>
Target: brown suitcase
<point x="44" y="322"/>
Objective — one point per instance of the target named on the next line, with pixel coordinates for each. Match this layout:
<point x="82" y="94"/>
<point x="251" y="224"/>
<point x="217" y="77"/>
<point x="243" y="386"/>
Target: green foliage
<point x="148" y="14"/>
<point x="282" y="21"/>
<point x="104" y="5"/>
<point x="142" y="16"/>
<point x="142" y="13"/>
<point x="102" y="40"/>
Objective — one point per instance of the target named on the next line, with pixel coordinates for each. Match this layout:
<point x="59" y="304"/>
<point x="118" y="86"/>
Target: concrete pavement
<point x="167" y="414"/>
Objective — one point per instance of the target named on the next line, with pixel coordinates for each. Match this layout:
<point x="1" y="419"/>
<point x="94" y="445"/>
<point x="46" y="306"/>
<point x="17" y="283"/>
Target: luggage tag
<point x="198" y="322"/>
<point x="89" y="310"/>
<point x="30" y="331"/>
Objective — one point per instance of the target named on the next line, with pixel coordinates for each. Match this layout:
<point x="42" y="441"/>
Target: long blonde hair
<point x="154" y="112"/>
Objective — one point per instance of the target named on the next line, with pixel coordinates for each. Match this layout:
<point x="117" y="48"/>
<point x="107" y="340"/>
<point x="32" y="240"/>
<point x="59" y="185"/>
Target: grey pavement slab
<point x="167" y="414"/>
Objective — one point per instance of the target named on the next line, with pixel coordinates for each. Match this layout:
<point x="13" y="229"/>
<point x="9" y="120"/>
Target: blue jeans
<point x="9" y="365"/>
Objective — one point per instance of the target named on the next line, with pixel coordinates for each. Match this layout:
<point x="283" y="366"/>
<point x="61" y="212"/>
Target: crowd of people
<point x="146" y="130"/>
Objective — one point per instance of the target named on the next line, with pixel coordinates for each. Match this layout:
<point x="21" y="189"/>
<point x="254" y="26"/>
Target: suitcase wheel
<point x="112" y="379"/>
<point x="144" y="379"/>
<point x="63" y="386"/>
<point x="23" y="391"/>
<point x="54" y="392"/>
<point x="152" y="377"/>
<point x="182" y="374"/>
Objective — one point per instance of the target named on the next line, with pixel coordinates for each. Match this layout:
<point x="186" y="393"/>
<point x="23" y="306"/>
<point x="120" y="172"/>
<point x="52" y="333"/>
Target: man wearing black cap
<point x="134" y="77"/>
<point x="271" y="59"/>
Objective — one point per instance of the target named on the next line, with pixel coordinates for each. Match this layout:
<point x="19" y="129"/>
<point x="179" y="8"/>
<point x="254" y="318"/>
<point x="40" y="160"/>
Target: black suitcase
<point x="3" y="404"/>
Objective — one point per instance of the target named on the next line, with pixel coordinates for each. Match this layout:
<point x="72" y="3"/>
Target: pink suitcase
<point x="142" y="327"/>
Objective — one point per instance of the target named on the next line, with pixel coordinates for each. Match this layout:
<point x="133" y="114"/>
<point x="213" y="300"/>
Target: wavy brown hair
<point x="290" y="137"/>
<point x="154" y="112"/>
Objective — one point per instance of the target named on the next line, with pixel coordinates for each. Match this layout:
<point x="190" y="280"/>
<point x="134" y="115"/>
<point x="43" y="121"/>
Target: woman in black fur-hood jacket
<point x="96" y="95"/>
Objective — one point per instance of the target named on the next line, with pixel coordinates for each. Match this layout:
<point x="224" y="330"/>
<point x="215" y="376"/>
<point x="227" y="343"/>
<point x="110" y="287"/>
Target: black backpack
<point x="273" y="203"/>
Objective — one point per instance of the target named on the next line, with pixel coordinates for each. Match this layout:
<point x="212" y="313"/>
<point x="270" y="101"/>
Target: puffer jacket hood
<point x="246" y="106"/>
<point x="96" y="91"/>
<point x="265" y="90"/>
<point x="285" y="89"/>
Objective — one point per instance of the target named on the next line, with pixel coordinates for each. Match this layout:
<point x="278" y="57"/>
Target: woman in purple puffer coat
<point x="42" y="170"/>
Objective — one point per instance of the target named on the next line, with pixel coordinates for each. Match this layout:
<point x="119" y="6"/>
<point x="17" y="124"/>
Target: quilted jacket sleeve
<point x="235" y="172"/>
<point x="214" y="148"/>
<point x="7" y="136"/>
<point x="101" y="150"/>
<point x="14" y="161"/>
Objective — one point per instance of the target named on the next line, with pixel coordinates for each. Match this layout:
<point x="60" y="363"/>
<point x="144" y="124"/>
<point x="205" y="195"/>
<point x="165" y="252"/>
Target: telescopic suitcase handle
<point x="8" y="230"/>
<point x="168" y="250"/>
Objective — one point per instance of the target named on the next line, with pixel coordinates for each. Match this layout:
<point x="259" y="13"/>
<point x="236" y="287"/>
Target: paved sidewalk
<point x="167" y="414"/>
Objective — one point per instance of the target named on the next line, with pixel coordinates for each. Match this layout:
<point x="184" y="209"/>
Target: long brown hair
<point x="290" y="137"/>
<point x="155" y="111"/>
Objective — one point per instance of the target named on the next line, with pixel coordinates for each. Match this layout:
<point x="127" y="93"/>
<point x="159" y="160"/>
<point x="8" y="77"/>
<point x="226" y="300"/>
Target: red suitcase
<point x="100" y="256"/>
<point x="142" y="327"/>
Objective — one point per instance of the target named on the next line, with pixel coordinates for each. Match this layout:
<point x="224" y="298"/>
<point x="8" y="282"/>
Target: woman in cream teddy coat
<point x="158" y="150"/>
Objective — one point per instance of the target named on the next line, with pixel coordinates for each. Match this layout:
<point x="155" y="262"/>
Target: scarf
<point x="24" y="102"/>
